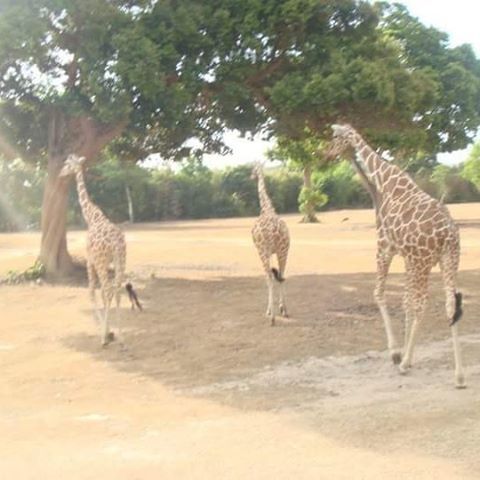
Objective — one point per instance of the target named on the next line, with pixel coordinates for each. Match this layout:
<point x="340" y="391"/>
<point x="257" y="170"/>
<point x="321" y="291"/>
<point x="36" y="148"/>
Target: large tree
<point x="374" y="66"/>
<point x="315" y="62"/>
<point x="74" y="75"/>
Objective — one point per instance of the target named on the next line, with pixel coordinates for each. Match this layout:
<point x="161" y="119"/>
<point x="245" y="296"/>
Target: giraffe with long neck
<point x="415" y="226"/>
<point x="270" y="236"/>
<point x="105" y="246"/>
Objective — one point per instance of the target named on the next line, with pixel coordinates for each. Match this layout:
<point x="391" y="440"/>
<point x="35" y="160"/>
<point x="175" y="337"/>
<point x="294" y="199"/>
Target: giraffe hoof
<point x="460" y="382"/>
<point x="110" y="337"/>
<point x="283" y="311"/>
<point x="396" y="358"/>
<point x="403" y="369"/>
<point x="272" y="322"/>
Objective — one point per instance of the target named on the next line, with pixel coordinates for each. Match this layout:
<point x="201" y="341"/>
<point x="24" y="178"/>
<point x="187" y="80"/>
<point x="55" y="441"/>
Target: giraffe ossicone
<point x="417" y="227"/>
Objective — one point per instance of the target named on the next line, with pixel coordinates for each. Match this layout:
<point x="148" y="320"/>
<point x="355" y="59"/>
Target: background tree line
<point x="129" y="192"/>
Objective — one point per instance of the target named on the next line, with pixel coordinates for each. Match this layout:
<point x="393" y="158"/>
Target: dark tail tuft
<point x="458" y="308"/>
<point x="277" y="275"/>
<point x="133" y="297"/>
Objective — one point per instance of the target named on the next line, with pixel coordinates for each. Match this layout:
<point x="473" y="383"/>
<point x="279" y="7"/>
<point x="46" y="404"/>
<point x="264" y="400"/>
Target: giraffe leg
<point x="107" y="294"/>
<point x="408" y="309"/>
<point x="282" y="261"/>
<point x="97" y="316"/>
<point x="265" y="259"/>
<point x="117" y="312"/>
<point x="459" y="374"/>
<point x="119" y="263"/>
<point x="419" y="291"/>
<point x="384" y="259"/>
<point x="408" y="303"/>
<point x="107" y="335"/>
<point x="449" y="266"/>
<point x="270" y="313"/>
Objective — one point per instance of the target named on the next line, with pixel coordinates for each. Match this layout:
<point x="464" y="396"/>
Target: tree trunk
<point x="131" y="217"/>
<point x="309" y="208"/>
<point x="80" y="135"/>
<point x="53" y="249"/>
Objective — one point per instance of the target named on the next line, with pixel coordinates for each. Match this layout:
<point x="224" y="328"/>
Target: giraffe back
<point x="270" y="233"/>
<point x="414" y="223"/>
<point x="106" y="243"/>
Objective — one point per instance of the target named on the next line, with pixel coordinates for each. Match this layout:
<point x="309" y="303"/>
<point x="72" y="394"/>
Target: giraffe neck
<point x="265" y="202"/>
<point x="380" y="175"/>
<point x="369" y="162"/>
<point x="88" y="208"/>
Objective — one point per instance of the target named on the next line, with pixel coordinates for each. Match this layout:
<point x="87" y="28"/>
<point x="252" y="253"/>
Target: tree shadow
<point x="194" y="333"/>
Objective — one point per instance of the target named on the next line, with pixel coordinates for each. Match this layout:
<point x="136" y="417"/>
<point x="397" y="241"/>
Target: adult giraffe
<point x="270" y="236"/>
<point x="105" y="246"/>
<point x="417" y="227"/>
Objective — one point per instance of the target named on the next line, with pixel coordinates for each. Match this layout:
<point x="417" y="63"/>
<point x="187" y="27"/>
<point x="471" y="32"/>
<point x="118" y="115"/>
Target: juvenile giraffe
<point x="105" y="246"/>
<point x="271" y="237"/>
<point x="416" y="226"/>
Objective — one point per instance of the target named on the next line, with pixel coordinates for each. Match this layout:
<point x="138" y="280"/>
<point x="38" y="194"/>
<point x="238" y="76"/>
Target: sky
<point x="458" y="18"/>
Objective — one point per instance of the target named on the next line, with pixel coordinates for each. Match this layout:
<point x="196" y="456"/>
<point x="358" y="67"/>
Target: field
<point x="204" y="388"/>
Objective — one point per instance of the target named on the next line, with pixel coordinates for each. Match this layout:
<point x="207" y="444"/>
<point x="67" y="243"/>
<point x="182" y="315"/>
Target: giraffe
<point x="270" y="236"/>
<point x="415" y="226"/>
<point x="105" y="246"/>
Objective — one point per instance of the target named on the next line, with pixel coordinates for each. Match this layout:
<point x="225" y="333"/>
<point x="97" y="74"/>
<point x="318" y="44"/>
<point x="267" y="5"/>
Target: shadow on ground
<point x="199" y="332"/>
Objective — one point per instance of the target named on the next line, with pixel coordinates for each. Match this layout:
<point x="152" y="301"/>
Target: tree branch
<point x="92" y="137"/>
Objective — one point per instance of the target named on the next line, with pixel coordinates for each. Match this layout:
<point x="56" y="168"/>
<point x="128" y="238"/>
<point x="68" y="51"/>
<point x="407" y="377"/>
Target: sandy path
<point x="205" y="389"/>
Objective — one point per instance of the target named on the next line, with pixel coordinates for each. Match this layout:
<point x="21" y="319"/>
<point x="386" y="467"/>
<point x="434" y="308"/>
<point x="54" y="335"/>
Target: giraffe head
<point x="342" y="139"/>
<point x="72" y="165"/>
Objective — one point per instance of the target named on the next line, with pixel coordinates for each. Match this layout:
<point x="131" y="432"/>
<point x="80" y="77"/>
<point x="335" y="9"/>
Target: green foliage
<point x="444" y="82"/>
<point x="139" y="64"/>
<point x="187" y="69"/>
<point x="452" y="186"/>
<point x="356" y="62"/>
<point x="310" y="200"/>
<point x="236" y="184"/>
<point x="299" y="153"/>
<point x="284" y="188"/>
<point x="303" y="154"/>
<point x="471" y="168"/>
<point x="34" y="273"/>
<point x="194" y="191"/>
<point x="342" y="186"/>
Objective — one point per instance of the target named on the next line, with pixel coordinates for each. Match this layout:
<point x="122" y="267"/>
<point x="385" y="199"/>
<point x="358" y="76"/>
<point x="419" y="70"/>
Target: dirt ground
<point x="204" y="388"/>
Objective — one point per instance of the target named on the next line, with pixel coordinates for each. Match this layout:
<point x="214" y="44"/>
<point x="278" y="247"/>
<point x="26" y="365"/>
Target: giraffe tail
<point x="132" y="295"/>
<point x="458" y="309"/>
<point x="277" y="275"/>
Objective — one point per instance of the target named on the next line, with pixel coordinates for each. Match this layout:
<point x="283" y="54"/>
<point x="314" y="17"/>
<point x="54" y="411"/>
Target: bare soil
<point x="201" y="387"/>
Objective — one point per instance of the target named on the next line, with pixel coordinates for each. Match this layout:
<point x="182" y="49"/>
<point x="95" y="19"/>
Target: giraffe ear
<point x="81" y="160"/>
